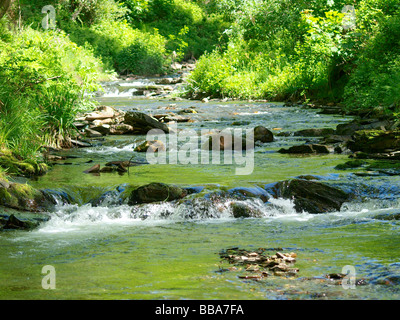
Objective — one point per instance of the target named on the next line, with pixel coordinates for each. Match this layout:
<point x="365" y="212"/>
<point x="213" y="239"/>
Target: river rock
<point x="122" y="128"/>
<point x="94" y="169"/>
<point x="101" y="112"/>
<point x="309" y="196"/>
<point x="346" y="129"/>
<point x="246" y="193"/>
<point x="156" y="192"/>
<point x="306" y="149"/>
<point x="375" y="141"/>
<point x="222" y="142"/>
<point x="150" y="146"/>
<point x="262" y="134"/>
<point x="103" y="129"/>
<point x="14" y="223"/>
<point x="242" y="210"/>
<point x="143" y="122"/>
<point x="24" y="197"/>
<point x="92" y="133"/>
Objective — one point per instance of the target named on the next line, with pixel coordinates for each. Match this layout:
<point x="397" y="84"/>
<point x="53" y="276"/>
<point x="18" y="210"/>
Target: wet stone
<point x="259" y="263"/>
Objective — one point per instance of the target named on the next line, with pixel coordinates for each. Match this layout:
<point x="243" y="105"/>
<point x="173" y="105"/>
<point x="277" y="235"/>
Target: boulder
<point x="375" y="141"/>
<point x="24" y="197"/>
<point x="143" y="122"/>
<point x="310" y="196"/>
<point x="262" y="134"/>
<point x="156" y="192"/>
<point x="357" y="125"/>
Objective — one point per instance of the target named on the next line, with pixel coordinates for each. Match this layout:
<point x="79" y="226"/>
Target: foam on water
<point x="88" y="218"/>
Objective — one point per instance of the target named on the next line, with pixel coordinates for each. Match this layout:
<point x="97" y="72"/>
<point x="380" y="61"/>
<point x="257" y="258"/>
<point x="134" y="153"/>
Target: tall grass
<point x="43" y="76"/>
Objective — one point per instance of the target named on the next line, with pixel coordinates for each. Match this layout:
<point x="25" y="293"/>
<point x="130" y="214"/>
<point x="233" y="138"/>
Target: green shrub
<point x="123" y="48"/>
<point x="43" y="76"/>
<point x="375" y="81"/>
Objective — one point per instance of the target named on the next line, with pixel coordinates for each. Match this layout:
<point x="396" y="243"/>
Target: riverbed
<point x="110" y="251"/>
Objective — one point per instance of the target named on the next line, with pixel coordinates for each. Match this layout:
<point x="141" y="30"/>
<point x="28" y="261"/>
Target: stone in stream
<point x="310" y="196"/>
<point x="24" y="197"/>
<point x="94" y="169"/>
<point x="348" y="129"/>
<point x="101" y="112"/>
<point x="150" y="146"/>
<point x="92" y="133"/>
<point x="14" y="223"/>
<point x="375" y="141"/>
<point x="320" y="132"/>
<point x="241" y="210"/>
<point x="156" y="192"/>
<point x="103" y="129"/>
<point x="226" y="141"/>
<point x="258" y="264"/>
<point x="143" y="122"/>
<point x="80" y="144"/>
<point x="262" y="134"/>
<point x="306" y="149"/>
<point x="122" y="128"/>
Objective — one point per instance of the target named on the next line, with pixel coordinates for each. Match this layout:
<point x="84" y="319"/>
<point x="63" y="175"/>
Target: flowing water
<point x="170" y="251"/>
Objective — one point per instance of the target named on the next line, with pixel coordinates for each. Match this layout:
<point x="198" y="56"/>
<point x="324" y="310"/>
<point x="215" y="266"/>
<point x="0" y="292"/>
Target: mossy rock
<point x="15" y="166"/>
<point x="375" y="141"/>
<point x="350" y="164"/>
<point x="156" y="192"/>
<point x="24" y="197"/>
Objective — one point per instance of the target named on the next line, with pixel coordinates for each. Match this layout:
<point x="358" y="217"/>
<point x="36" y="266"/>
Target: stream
<point x="116" y="251"/>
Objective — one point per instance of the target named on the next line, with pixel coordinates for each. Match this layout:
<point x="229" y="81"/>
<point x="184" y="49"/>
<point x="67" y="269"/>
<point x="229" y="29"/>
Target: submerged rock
<point x="306" y="149"/>
<point x="156" y="192"/>
<point x="310" y="196"/>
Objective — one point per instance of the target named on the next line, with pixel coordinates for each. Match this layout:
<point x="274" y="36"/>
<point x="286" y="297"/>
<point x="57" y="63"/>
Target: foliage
<point x="43" y="76"/>
<point x="284" y="49"/>
<point x="123" y="48"/>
